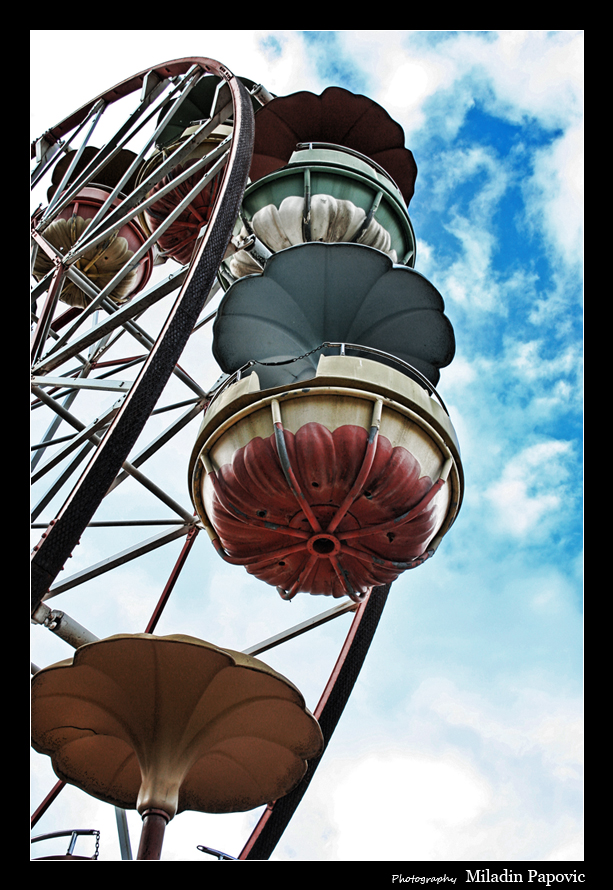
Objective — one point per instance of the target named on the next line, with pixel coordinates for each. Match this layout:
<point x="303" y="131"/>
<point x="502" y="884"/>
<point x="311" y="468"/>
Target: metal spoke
<point x="52" y="429"/>
<point x="52" y="442"/>
<point x="127" y="466"/>
<point x="160" y="440"/>
<point x="118" y="559"/>
<point x="113" y="147"/>
<point x="43" y="325"/>
<point x="74" y="442"/>
<point x="48" y="157"/>
<point x="119" y="316"/>
<point x="102" y="212"/>
<point x="84" y="383"/>
<point x="131" y="327"/>
<point x="97" y="113"/>
<point x="112" y="451"/>
<point x="115" y="221"/>
<point x="301" y="628"/>
<point x="61" y="480"/>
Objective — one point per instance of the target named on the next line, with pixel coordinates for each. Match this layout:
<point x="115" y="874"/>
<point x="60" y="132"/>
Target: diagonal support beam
<point x="112" y="562"/>
<point x="277" y="815"/>
<point x="77" y="512"/>
<point x="127" y="466"/>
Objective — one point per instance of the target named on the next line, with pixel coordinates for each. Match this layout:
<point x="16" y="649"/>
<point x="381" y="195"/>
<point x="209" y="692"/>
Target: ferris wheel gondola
<point x="153" y="223"/>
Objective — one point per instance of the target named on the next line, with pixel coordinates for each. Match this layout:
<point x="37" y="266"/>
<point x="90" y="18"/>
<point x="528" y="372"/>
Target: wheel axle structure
<point x="325" y="463"/>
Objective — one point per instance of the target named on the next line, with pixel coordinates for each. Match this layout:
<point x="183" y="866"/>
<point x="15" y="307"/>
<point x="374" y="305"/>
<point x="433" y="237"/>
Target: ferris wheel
<point x="181" y="197"/>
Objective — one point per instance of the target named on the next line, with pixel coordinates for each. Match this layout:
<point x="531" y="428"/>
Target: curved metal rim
<point x="350" y="151"/>
<point x="328" y="166"/>
<point x="130" y="85"/>
<point x="450" y="454"/>
<point x="328" y="712"/>
<point x="233" y="378"/>
<point x="65" y="530"/>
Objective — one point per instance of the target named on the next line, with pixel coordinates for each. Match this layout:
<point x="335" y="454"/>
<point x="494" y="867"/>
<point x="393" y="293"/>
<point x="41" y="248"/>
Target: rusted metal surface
<point x="45" y="321"/>
<point x="152" y="835"/>
<point x="44" y="805"/>
<point x="287" y="506"/>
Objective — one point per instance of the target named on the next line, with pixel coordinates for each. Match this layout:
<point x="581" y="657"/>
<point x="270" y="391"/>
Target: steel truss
<point x="104" y="376"/>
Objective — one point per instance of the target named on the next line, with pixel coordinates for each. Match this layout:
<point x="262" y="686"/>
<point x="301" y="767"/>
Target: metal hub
<point x="323" y="546"/>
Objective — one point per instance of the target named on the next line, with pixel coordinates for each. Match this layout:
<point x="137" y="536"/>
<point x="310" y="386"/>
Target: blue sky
<point x="462" y="740"/>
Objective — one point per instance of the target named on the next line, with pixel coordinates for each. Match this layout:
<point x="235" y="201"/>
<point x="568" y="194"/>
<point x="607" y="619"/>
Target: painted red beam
<point x="172" y="580"/>
<point x="276" y="817"/>
<point x="46" y="803"/>
<point x="155" y="617"/>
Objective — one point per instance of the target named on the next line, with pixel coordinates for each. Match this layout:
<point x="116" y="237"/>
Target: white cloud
<point x="467" y="187"/>
<point x="469" y="280"/>
<point x="537" y="73"/>
<point x="459" y="771"/>
<point x="483" y="796"/>
<point x="531" y="488"/>
<point x="409" y="85"/>
<point x="516" y="74"/>
<point x="571" y="850"/>
<point x="554" y="382"/>
<point x="460" y="375"/>
<point x="534" y="721"/>
<point x="529" y="365"/>
<point x="556" y="194"/>
<point x="426" y="800"/>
